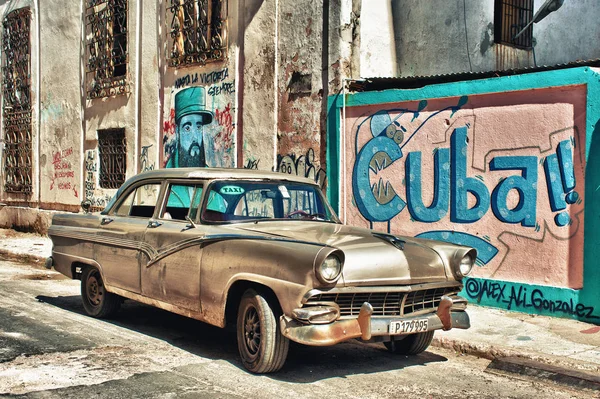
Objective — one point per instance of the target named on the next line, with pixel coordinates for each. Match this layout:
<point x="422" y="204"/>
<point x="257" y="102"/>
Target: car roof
<point x="217" y="173"/>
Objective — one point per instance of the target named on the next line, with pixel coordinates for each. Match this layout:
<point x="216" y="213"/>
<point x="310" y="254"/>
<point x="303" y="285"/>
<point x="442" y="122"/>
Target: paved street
<point x="50" y="349"/>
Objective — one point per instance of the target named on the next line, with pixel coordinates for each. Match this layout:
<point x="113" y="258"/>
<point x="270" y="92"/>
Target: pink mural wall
<point x="502" y="172"/>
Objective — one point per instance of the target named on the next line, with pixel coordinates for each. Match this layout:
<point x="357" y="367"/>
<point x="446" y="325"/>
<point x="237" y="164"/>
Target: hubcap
<point x="252" y="330"/>
<point x="95" y="289"/>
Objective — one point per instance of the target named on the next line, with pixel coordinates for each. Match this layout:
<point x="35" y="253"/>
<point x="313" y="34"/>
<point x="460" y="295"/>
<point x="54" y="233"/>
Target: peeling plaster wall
<point x="259" y="105"/>
<point x="60" y="112"/>
<point x="441" y="37"/>
<point x="378" y="55"/>
<point x="503" y="165"/>
<point x="300" y="88"/>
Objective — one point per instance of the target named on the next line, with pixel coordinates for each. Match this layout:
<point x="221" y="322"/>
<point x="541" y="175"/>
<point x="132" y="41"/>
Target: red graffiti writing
<point x="63" y="174"/>
<point x="224" y="139"/>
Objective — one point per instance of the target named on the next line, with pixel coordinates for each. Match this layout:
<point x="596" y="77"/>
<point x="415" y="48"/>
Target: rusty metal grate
<point x="510" y="17"/>
<point x="386" y="303"/>
<point x="16" y="110"/>
<point x="198" y="31"/>
<point x="112" y="150"/>
<point x="106" y="48"/>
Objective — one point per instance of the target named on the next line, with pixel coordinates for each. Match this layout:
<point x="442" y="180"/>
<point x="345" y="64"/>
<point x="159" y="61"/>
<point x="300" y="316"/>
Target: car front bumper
<point x="366" y="327"/>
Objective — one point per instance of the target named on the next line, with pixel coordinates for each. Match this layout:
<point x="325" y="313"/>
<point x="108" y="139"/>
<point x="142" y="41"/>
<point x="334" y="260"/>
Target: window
<point x="140" y="202"/>
<point x="510" y="17"/>
<point x="106" y="43"/>
<point x="16" y="111"/>
<point x="198" y="31"/>
<point x="256" y="203"/>
<point x="244" y="201"/>
<point x="112" y="150"/>
<point x="182" y="200"/>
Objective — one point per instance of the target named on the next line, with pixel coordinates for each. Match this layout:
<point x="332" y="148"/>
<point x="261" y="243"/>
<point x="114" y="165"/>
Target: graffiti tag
<point x="303" y="165"/>
<point x="518" y="297"/>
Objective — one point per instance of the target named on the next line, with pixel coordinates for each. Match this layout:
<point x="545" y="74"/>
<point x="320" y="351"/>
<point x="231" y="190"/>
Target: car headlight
<point x="466" y="264"/>
<point x="330" y="269"/>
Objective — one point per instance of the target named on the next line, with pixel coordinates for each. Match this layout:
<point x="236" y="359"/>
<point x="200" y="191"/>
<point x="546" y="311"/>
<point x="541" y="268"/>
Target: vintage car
<point x="265" y="251"/>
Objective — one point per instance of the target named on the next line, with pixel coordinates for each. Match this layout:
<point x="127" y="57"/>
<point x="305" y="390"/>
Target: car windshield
<point x="239" y="201"/>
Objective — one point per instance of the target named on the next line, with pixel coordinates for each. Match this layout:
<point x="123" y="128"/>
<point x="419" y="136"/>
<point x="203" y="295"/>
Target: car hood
<point x="370" y="258"/>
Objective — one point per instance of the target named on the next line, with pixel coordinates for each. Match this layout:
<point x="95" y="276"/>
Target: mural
<point x="457" y="170"/>
<point x="199" y="129"/>
<point x="501" y="171"/>
<point x="190" y="117"/>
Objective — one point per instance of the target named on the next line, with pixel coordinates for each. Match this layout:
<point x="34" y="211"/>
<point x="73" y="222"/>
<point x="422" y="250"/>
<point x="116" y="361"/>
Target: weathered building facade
<point x="95" y="91"/>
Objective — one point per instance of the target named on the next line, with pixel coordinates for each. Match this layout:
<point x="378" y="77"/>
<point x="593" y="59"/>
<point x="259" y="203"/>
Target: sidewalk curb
<point x="493" y="353"/>
<point x="39" y="260"/>
<point x="560" y="375"/>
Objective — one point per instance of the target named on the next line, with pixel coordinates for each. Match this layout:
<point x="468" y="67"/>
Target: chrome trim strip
<point x="382" y="288"/>
<point x="155" y="255"/>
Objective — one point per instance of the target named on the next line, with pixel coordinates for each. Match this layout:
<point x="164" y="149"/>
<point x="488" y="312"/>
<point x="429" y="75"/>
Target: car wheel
<point x="97" y="302"/>
<point x="262" y="347"/>
<point x="411" y="345"/>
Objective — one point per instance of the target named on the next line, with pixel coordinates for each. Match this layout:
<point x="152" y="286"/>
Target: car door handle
<point x="154" y="223"/>
<point x="106" y="220"/>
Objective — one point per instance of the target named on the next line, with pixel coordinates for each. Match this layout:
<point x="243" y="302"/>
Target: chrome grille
<point x="385" y="303"/>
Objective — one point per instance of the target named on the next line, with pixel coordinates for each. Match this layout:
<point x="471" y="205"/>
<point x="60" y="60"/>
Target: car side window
<point x="182" y="200"/>
<point x="140" y="202"/>
<point x="216" y="202"/>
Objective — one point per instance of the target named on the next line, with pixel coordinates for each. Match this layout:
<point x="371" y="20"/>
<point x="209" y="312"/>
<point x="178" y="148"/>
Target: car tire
<point x="411" y="345"/>
<point x="262" y="347"/>
<point x="97" y="302"/>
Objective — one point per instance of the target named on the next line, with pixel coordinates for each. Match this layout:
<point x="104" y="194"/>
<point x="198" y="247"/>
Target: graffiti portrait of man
<point x="190" y="117"/>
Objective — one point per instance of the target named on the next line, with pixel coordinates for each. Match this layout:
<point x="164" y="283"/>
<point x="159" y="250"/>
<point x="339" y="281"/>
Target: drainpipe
<point x="82" y="101"/>
<point x="38" y="171"/>
<point x="138" y="84"/>
<point x="276" y="87"/>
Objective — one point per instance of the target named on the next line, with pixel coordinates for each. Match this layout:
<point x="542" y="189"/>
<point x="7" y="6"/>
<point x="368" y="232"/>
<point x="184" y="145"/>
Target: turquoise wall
<point x="582" y="304"/>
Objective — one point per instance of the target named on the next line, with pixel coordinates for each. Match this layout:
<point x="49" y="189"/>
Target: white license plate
<point x="408" y="326"/>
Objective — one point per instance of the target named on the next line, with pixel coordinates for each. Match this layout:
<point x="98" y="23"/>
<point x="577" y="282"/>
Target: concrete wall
<point x="502" y="165"/>
<point x="440" y="37"/>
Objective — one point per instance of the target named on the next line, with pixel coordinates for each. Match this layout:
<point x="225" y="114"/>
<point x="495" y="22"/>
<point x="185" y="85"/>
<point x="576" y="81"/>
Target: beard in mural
<point x="191" y="116"/>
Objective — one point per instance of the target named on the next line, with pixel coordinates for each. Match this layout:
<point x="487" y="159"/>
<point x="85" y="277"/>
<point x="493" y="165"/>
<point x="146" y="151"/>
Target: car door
<point x="120" y="237"/>
<point x="173" y="275"/>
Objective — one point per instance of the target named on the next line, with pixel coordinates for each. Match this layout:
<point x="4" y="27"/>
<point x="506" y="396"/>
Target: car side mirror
<point x="85" y="205"/>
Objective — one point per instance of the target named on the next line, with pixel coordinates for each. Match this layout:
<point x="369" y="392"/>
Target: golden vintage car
<point x="265" y="251"/>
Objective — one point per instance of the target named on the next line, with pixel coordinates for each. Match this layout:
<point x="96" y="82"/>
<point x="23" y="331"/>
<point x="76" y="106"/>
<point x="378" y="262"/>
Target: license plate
<point x="408" y="326"/>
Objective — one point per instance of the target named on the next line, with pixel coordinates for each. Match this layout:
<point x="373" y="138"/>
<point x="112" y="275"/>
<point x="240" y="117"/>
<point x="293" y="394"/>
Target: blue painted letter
<point x="380" y="202"/>
<point x="463" y="185"/>
<point x="441" y="187"/>
<point x="526" y="186"/>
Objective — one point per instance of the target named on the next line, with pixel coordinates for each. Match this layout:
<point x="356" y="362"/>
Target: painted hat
<point x="192" y="101"/>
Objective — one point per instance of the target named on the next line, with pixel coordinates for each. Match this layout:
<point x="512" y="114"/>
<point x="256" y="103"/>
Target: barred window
<point x="198" y="31"/>
<point x="112" y="150"/>
<point x="510" y="17"/>
<point x="16" y="109"/>
<point x="106" y="48"/>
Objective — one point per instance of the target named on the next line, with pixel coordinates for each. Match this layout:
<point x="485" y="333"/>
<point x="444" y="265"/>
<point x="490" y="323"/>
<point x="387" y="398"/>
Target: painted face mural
<point x="191" y="116"/>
